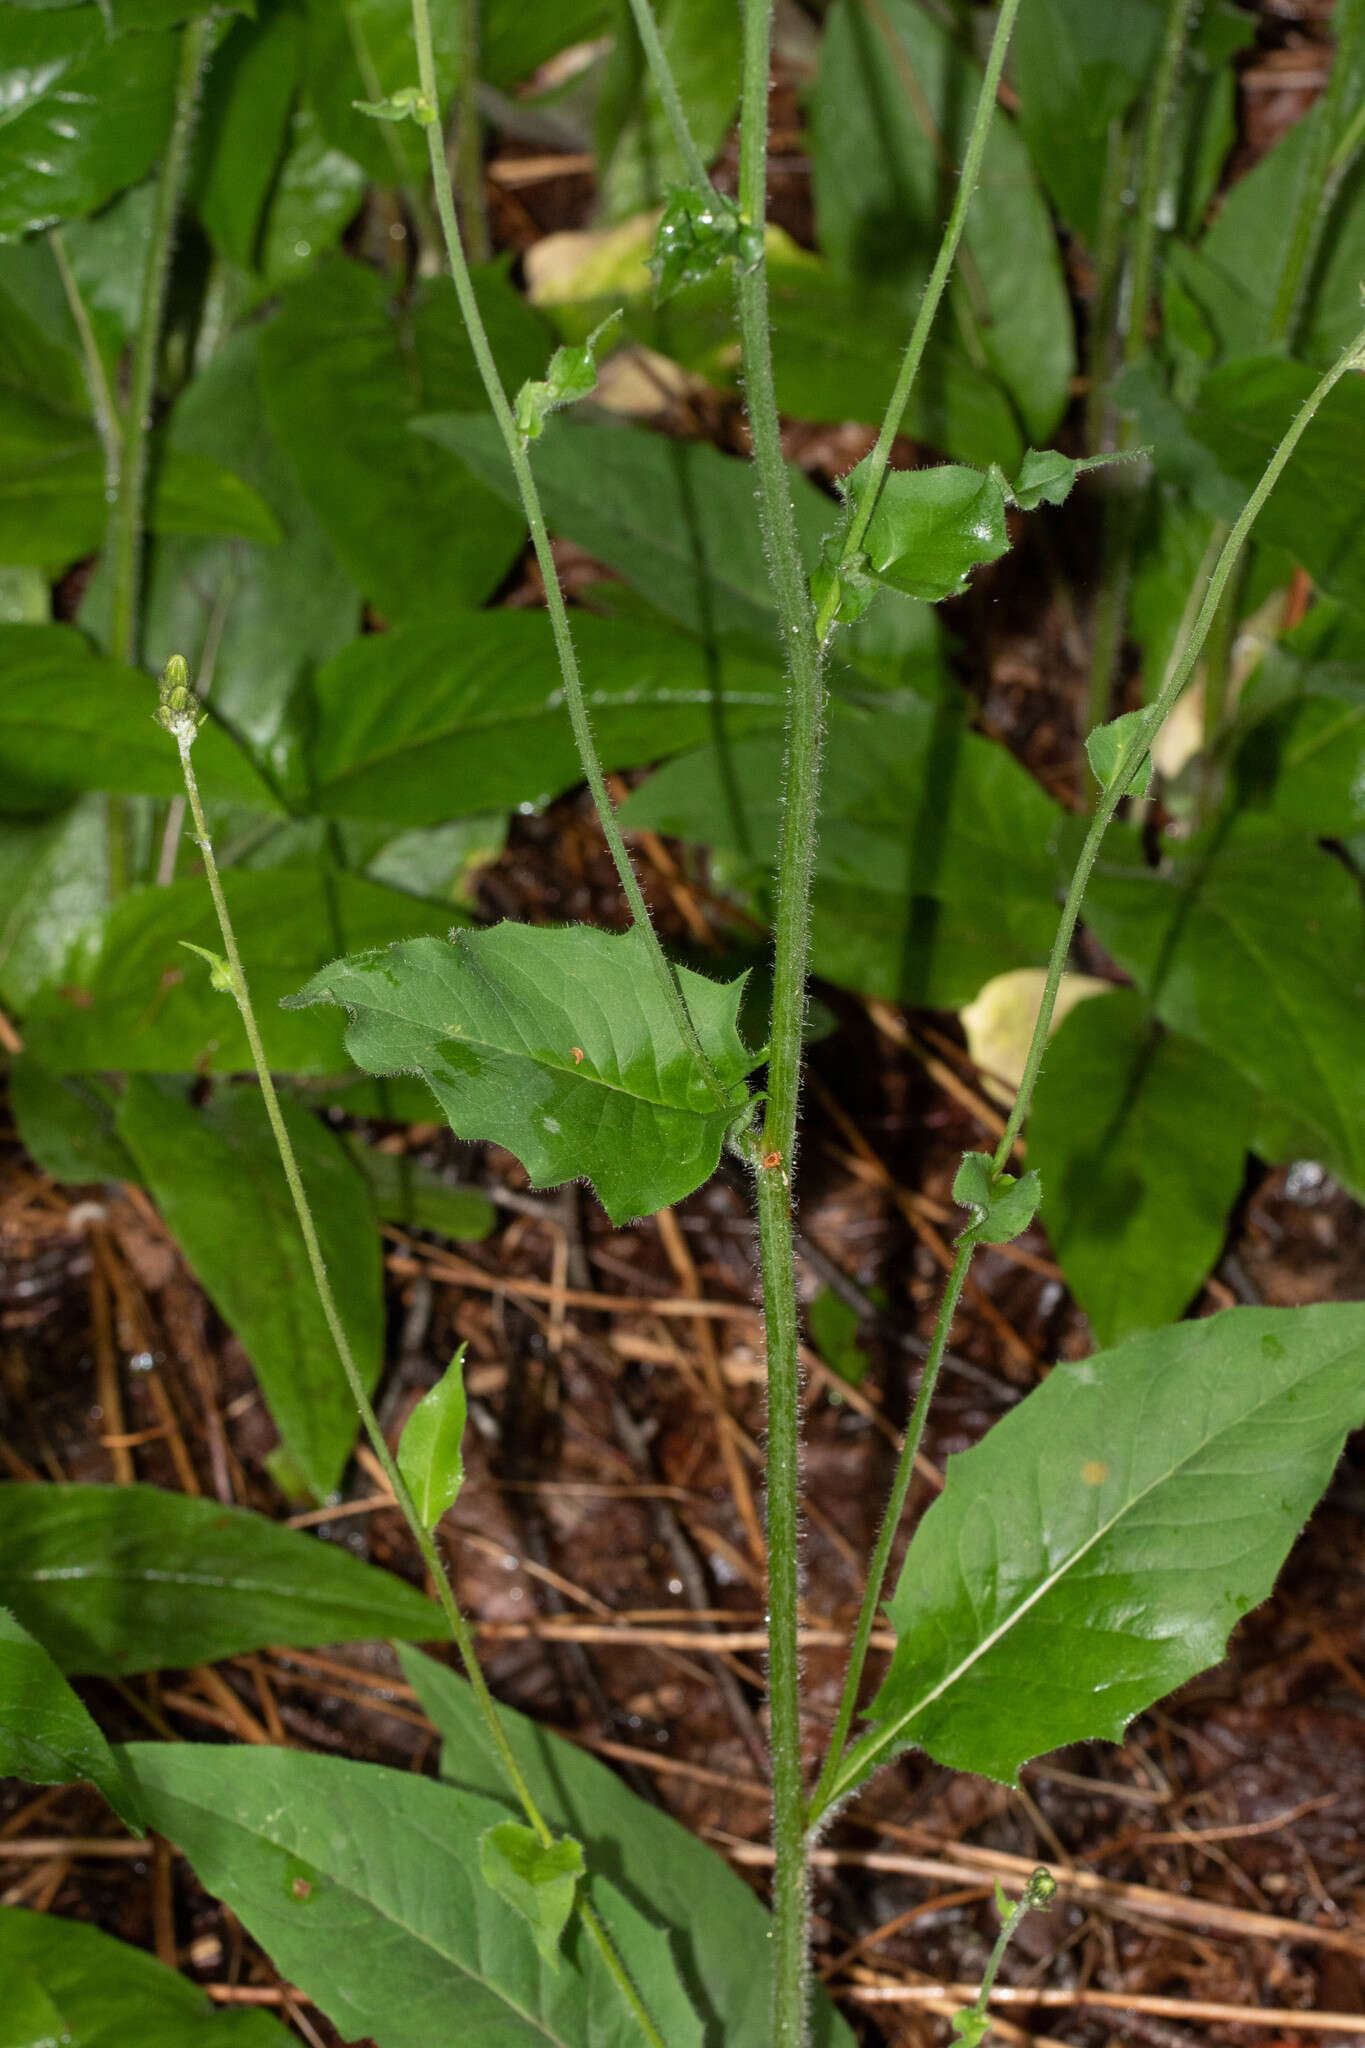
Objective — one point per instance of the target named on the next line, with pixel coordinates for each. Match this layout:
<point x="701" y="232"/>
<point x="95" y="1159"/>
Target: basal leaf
<point x="47" y="1736"/>
<point x="407" y="1192"/>
<point x="1095" y="1549"/>
<point x="1078" y="67"/>
<point x="1140" y="1136"/>
<point x="215" y="1174"/>
<point x="315" y="1856"/>
<point x="655" y="1862"/>
<point x="66" y="1122"/>
<point x="248" y="94"/>
<point x="54" y="881"/>
<point x="127" y="994"/>
<point x="430" y="1453"/>
<point x="557" y="1044"/>
<point x="118" y="1579"/>
<point x="102" y="1991"/>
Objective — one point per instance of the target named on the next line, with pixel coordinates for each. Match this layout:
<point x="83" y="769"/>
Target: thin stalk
<point x="1142" y="271"/>
<point x="183" y="731"/>
<point x="127" y="512"/>
<point x="540" y="541"/>
<point x="1108" y="250"/>
<point x="1178" y="674"/>
<point x="97" y="384"/>
<point x="468" y="140"/>
<point x="656" y="58"/>
<point x="1320" y="175"/>
<point x="933" y="292"/>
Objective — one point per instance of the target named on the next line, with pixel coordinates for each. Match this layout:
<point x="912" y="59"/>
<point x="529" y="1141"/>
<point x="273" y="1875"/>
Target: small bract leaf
<point x="430" y="1454"/>
<point x="537" y="1881"/>
<point x="1001" y="1206"/>
<point x="220" y="974"/>
<point x="931" y="527"/>
<point x="845" y="589"/>
<point x="699" y="231"/>
<point x="971" y="2026"/>
<point x="572" y="375"/>
<point x="1046" y="475"/>
<point x="409" y="103"/>
<point x="1106" y="747"/>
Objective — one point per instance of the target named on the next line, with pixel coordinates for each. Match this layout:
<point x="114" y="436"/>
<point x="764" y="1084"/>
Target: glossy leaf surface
<point x="248" y="95"/>
<point x="557" y="1044"/>
<point x="117" y="1579"/>
<point x="1140" y="1136"/>
<point x="931" y="527"/>
<point x="105" y="1993"/>
<point x="656" y="1863"/>
<point x="430" y="1453"/>
<point x="314" y="1855"/>
<point x="216" y="1177"/>
<point x="47" y="1736"/>
<point x="53" y="882"/>
<point x="128" y="995"/>
<point x="1095" y="1549"/>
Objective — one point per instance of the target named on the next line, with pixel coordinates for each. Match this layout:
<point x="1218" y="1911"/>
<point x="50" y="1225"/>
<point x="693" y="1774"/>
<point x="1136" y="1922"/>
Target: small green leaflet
<point x="1106" y="747"/>
<point x="1002" y="1207"/>
<point x="572" y="375"/>
<point x="699" y="231"/>
<point x="430" y="1454"/>
<point x="538" y="1880"/>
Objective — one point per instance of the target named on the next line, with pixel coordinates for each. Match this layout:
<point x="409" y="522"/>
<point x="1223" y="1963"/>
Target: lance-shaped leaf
<point x="46" y="1733"/>
<point x="1094" y="1551"/>
<point x="431" y="1454"/>
<point x="558" y="1045"/>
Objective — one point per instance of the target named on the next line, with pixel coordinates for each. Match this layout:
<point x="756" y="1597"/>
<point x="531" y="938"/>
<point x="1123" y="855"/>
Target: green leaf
<point x="834" y="1326"/>
<point x="315" y="197"/>
<point x="517" y="36"/>
<point x="51" y="164"/>
<point x="897" y="75"/>
<point x="675" y="518"/>
<point x="125" y="995"/>
<point x="1002" y="1207"/>
<point x="46" y="1734"/>
<point x="1140" y="1136"/>
<point x="67" y="1123"/>
<point x="653" y="1859"/>
<point x="1078" y="67"/>
<point x="248" y="96"/>
<point x="637" y="158"/>
<point x="314" y="1856"/>
<point x="1093" y="1552"/>
<point x="700" y="233"/>
<point x="409" y="1193"/>
<point x="572" y="375"/>
<point x="1106" y="747"/>
<point x="342" y="372"/>
<point x="102" y="1991"/>
<point x="931" y="527"/>
<point x="469" y="716"/>
<point x="1250" y="942"/>
<point x="431" y="1455"/>
<point x="53" y="881"/>
<point x="539" y="1883"/>
<point x="215" y="1174"/>
<point x="69" y="719"/>
<point x="938" y="858"/>
<point x="119" y="1579"/>
<point x="1046" y="476"/>
<point x="557" y="1044"/>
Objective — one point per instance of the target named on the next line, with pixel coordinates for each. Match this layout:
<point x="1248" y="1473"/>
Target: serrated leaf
<point x="430" y="1452"/>
<point x="119" y="1579"/>
<point x="1141" y="1137"/>
<point x="47" y="1736"/>
<point x="215" y="1174"/>
<point x="1046" y="476"/>
<point x="314" y="1855"/>
<point x="537" y="1881"/>
<point x="104" y="1991"/>
<point x="1095" y="1549"/>
<point x="1002" y="1207"/>
<point x="557" y="1044"/>
<point x="1106" y="746"/>
<point x="931" y="527"/>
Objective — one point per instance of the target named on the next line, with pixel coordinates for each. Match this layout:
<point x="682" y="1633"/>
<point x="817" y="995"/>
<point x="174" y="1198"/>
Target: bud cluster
<point x="178" y="712"/>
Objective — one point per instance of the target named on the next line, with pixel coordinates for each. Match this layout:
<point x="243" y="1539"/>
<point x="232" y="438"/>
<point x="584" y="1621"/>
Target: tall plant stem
<point x="127" y="508"/>
<point x="656" y="58"/>
<point x="540" y="541"/>
<point x="1320" y="176"/>
<point x="933" y="292"/>
<point x="1142" y="271"/>
<point x="183" y="732"/>
<point x="468" y="140"/>
<point x="1189" y="648"/>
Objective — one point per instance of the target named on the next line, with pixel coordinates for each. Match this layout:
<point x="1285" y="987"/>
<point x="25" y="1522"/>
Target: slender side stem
<point x="1143" y="269"/>
<point x="97" y="384"/>
<point x="1320" y="175"/>
<point x="468" y="139"/>
<point x="656" y="57"/>
<point x="540" y="541"/>
<point x="184" y="732"/>
<point x="933" y="292"/>
<point x="1177" y="676"/>
<point x="1100" y="325"/>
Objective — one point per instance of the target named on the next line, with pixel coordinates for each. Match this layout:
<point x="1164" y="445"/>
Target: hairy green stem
<point x="540" y="541"/>
<point x="1324" y="165"/>
<point x="1181" y="668"/>
<point x="183" y="731"/>
<point x="656" y="58"/>
<point x="933" y="292"/>
<point x="468" y="139"/>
